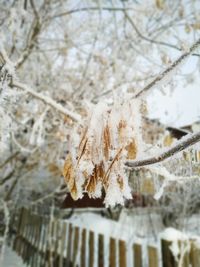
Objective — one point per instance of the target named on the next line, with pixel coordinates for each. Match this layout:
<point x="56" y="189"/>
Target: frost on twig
<point x="6" y="221"/>
<point x="167" y="72"/>
<point x="181" y="145"/>
<point x="7" y="98"/>
<point x="111" y="135"/>
<point x="47" y="100"/>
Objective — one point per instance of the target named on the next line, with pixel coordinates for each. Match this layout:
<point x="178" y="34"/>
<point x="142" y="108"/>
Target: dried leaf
<point x="106" y="142"/>
<point x="91" y="185"/>
<point x="100" y="171"/>
<point x="148" y="186"/>
<point x="168" y="140"/>
<point x="121" y="129"/>
<point x="116" y="158"/>
<point x="187" y="28"/>
<point x="69" y="176"/>
<point x="98" y="174"/>
<point x="196" y="26"/>
<point x="54" y="169"/>
<point x="120" y="182"/>
<point x="132" y="150"/>
<point x="82" y="145"/>
<point x="160" y="4"/>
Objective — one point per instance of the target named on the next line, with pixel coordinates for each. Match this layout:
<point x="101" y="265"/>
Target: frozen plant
<point x="110" y="137"/>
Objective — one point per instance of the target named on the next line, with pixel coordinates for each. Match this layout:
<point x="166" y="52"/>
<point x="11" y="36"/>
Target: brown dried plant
<point x="111" y="136"/>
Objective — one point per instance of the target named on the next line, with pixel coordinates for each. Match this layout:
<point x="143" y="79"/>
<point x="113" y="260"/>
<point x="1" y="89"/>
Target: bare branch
<point x="85" y="9"/>
<point x="151" y="40"/>
<point x="7" y="177"/>
<point x="34" y="33"/>
<point x="10" y="158"/>
<point x="182" y="145"/>
<point x="167" y="71"/>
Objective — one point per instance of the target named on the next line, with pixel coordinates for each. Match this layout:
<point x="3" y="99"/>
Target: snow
<point x="175" y="236"/>
<point x="172" y="234"/>
<point x="11" y="259"/>
<point x="110" y="136"/>
<point x="131" y="227"/>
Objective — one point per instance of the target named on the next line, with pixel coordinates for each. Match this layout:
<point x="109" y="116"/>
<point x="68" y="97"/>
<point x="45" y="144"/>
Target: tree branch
<point x="85" y="9"/>
<point x="47" y="100"/>
<point x="182" y="145"/>
<point x="7" y="177"/>
<point x="10" y="158"/>
<point x="151" y="40"/>
<point x="167" y="71"/>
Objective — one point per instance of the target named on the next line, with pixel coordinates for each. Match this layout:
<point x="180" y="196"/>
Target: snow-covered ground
<point x="11" y="259"/>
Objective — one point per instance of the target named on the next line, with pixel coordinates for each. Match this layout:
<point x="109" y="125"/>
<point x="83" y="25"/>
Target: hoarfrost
<point x="111" y="135"/>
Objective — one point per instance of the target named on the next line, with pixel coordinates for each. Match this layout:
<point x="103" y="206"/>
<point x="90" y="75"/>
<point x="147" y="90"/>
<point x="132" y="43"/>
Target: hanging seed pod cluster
<point x="95" y="162"/>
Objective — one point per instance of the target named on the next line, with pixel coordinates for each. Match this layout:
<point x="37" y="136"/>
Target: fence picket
<point x="112" y="253"/>
<point x="122" y="254"/>
<point x="100" y="250"/>
<point x="137" y="255"/>
<point x="194" y="255"/>
<point x="168" y="259"/>
<point x="75" y="246"/>
<point x="91" y="249"/>
<point x="153" y="256"/>
<point x="62" y="245"/>
<point x="69" y="244"/>
<point x="41" y="243"/>
<point x="83" y="248"/>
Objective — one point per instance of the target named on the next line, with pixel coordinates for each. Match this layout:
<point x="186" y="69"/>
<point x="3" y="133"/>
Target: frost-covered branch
<point x="181" y="145"/>
<point x="47" y="100"/>
<point x="149" y="39"/>
<point x="94" y="8"/>
<point x="170" y="69"/>
<point x="7" y="223"/>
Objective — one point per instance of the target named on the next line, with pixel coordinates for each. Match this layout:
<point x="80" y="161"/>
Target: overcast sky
<point x="182" y="106"/>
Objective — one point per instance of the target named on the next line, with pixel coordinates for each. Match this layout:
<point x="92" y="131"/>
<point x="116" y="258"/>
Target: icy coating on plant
<point x="96" y="159"/>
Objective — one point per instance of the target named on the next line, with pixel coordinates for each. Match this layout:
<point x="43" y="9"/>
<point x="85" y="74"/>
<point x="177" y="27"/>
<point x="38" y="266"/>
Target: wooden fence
<point x="42" y="242"/>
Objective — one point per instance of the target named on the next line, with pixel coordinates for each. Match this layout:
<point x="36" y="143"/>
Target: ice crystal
<point x="110" y="136"/>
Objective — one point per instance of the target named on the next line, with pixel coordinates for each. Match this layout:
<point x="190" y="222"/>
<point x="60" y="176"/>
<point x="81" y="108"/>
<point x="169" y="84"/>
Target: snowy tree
<point x="75" y="76"/>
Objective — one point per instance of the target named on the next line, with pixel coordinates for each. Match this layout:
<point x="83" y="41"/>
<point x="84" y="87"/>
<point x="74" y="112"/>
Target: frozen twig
<point x="170" y="69"/>
<point x="182" y="145"/>
<point x="89" y="8"/>
<point x="47" y="100"/>
<point x="149" y="39"/>
<point x="10" y="158"/>
<point x="7" y="221"/>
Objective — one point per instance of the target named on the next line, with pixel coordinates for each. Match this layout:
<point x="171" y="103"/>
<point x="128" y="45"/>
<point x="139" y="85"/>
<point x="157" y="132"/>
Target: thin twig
<point x="149" y="39"/>
<point x="8" y="177"/>
<point x="9" y="159"/>
<point x="167" y="71"/>
<point x="85" y="9"/>
<point x="182" y="145"/>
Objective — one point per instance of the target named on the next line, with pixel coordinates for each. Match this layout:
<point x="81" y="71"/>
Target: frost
<point x="36" y="137"/>
<point x="178" y="249"/>
<point x="8" y="97"/>
<point x="111" y="135"/>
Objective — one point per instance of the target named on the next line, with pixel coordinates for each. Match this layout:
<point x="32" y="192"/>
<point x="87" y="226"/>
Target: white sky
<point x="182" y="106"/>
